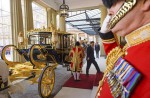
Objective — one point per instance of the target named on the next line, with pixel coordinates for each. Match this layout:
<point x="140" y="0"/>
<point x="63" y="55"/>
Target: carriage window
<point x="67" y="41"/>
<point x="33" y="40"/>
<point x="42" y="38"/>
<point x="39" y="16"/>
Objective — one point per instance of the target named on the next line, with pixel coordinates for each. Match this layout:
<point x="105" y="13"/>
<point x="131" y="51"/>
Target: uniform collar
<point x="138" y="36"/>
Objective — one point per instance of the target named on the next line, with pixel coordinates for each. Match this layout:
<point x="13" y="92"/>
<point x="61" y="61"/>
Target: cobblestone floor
<point x="62" y="75"/>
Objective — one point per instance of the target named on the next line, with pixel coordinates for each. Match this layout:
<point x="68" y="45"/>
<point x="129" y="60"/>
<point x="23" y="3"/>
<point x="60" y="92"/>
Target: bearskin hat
<point x="109" y="3"/>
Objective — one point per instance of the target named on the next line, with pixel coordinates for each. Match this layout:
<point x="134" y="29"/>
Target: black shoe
<point x="78" y="80"/>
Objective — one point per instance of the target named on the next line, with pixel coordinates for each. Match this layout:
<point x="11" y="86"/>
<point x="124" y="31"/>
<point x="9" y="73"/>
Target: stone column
<point x="62" y="24"/>
<point x="49" y="16"/>
<point x="54" y="14"/>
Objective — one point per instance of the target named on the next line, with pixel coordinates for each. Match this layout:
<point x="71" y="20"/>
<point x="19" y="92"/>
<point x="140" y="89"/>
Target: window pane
<point x="0" y="16"/>
<point x="0" y="4"/>
<point x="0" y="29"/>
<point x="5" y="27"/>
<point x="6" y="5"/>
<point x="6" y="17"/>
<point x="39" y="16"/>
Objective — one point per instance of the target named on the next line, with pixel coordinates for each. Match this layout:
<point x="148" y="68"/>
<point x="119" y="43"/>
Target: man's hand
<point x="105" y="26"/>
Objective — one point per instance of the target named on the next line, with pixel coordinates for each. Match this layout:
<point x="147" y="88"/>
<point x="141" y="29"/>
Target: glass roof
<point x="87" y="21"/>
<point x="80" y="23"/>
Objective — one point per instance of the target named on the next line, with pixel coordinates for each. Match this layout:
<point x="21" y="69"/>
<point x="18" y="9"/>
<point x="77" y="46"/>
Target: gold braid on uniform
<point x="112" y="57"/>
<point x="109" y="40"/>
<point x="136" y="37"/>
<point x="127" y="6"/>
<point x="108" y="37"/>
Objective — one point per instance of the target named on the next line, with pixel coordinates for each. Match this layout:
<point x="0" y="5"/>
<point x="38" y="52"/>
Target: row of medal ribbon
<point x="122" y="79"/>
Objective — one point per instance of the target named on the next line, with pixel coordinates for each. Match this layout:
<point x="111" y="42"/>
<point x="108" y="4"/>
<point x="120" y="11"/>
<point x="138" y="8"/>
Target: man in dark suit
<point x="91" y="58"/>
<point x="97" y="49"/>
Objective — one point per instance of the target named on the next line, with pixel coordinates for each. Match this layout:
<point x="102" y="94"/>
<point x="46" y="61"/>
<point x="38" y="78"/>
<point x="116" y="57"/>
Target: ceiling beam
<point x="76" y="27"/>
<point x="87" y="27"/>
<point x="84" y="20"/>
<point x="91" y="22"/>
<point x="86" y="24"/>
<point x="76" y="14"/>
<point x="72" y="25"/>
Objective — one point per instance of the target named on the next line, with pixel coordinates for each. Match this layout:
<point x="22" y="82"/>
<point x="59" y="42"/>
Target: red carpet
<point x="86" y="82"/>
<point x="99" y="76"/>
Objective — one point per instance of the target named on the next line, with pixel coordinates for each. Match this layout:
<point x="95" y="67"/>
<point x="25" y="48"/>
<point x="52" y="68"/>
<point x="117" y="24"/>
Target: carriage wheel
<point x="46" y="82"/>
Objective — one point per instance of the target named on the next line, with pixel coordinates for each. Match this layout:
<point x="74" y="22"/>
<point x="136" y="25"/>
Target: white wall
<point x="73" y="4"/>
<point x="79" y="4"/>
<point x="51" y="3"/>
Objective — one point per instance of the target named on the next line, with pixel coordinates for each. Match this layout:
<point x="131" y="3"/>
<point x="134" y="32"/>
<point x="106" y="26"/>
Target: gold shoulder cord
<point x="136" y="37"/>
<point x="112" y="57"/>
<point x="127" y="6"/>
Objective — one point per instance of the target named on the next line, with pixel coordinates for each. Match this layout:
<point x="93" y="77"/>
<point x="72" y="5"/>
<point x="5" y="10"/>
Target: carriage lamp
<point x="64" y="9"/>
<point x="20" y="37"/>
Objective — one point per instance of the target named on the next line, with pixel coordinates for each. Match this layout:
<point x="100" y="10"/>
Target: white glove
<point x="105" y="25"/>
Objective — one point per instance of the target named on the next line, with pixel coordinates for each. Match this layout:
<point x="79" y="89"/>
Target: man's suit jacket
<point x="90" y="53"/>
<point x="97" y="47"/>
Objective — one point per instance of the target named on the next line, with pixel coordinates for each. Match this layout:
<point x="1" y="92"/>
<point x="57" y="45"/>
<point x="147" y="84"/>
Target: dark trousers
<point x="97" y="54"/>
<point x="89" y="62"/>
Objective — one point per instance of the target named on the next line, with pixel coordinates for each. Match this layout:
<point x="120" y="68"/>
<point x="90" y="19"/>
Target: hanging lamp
<point x="64" y="9"/>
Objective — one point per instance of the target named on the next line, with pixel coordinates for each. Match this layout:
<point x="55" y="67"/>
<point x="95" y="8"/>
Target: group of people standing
<point x="77" y="55"/>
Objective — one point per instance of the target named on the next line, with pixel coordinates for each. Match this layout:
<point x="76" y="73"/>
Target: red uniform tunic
<point x="77" y="55"/>
<point x="138" y="55"/>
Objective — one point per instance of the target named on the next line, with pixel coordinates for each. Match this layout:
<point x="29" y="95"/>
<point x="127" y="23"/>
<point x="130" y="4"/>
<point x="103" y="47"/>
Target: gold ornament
<point x="127" y="6"/>
<point x="112" y="57"/>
